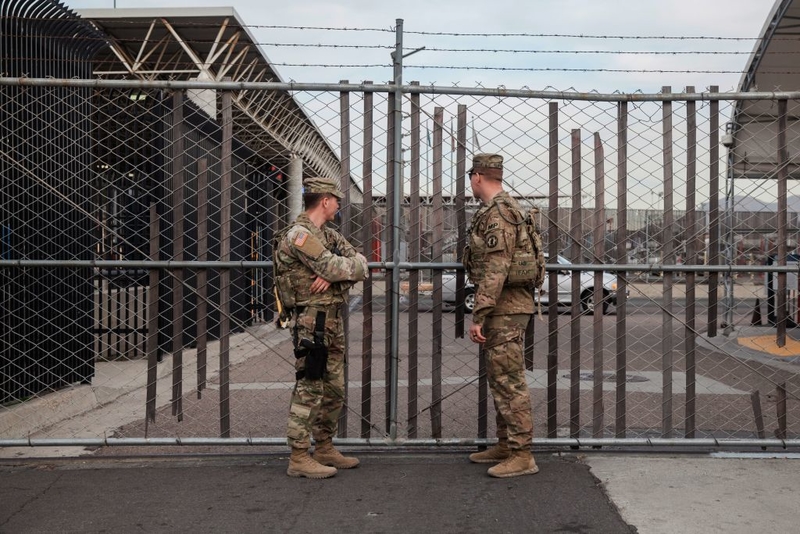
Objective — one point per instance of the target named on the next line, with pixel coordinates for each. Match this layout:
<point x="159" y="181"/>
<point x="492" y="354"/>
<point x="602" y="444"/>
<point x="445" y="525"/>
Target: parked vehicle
<point x="564" y="289"/>
<point x="449" y="291"/>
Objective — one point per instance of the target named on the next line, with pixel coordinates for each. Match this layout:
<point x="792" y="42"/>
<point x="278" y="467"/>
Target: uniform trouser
<point x="505" y="368"/>
<point x="316" y="404"/>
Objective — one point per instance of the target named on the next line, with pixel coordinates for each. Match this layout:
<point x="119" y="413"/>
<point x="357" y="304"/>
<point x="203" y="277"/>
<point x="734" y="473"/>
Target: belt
<point x="331" y="310"/>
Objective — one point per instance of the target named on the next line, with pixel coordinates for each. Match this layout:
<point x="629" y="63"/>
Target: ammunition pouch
<point x="286" y="292"/>
<point x="523" y="270"/>
<point x="285" y="298"/>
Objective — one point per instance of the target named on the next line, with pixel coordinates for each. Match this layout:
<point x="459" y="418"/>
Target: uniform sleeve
<point x="311" y="252"/>
<point x="345" y="248"/>
<point x="349" y="251"/>
<point x="499" y="241"/>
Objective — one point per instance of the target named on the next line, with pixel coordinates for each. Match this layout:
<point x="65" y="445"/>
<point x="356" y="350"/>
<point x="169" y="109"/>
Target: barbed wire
<point x="533" y="51"/>
<point x="530" y="51"/>
<point x="590" y="36"/>
<point x="192" y="66"/>
<point x="463" y="50"/>
<point x="522" y="34"/>
<point x="391" y="29"/>
<point x="528" y="69"/>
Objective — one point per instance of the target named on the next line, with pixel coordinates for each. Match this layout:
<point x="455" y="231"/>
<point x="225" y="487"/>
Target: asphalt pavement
<point x="401" y="491"/>
<point x="388" y="493"/>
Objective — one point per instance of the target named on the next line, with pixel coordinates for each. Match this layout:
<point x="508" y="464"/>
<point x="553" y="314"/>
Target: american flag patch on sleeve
<point x="300" y="240"/>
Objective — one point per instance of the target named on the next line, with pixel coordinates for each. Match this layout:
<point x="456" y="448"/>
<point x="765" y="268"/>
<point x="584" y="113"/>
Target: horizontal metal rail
<point x="167" y="265"/>
<point x="407" y="89"/>
<point x="430" y="443"/>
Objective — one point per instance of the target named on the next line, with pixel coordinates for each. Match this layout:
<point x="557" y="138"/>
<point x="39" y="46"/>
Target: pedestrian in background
<point x="500" y="317"/>
<point x="315" y="267"/>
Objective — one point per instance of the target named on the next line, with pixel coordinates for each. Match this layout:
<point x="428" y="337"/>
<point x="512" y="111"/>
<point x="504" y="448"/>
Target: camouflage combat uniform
<point x="504" y="313"/>
<point x="304" y="253"/>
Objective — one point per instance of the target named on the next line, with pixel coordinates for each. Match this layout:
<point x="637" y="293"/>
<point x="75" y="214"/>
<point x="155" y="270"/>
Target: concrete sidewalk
<point x="719" y="493"/>
<point x="116" y="396"/>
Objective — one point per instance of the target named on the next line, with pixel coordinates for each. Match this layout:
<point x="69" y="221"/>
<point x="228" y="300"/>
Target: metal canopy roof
<point x="211" y="44"/>
<point x="774" y="65"/>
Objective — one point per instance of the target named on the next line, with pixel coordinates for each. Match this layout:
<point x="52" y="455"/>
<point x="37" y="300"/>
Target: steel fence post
<point x="397" y="61"/>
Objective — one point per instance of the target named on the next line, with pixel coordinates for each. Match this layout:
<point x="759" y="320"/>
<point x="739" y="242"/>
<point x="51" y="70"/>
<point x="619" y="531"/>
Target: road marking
<point x="537" y="379"/>
<point x="703" y="385"/>
<point x="769" y="345"/>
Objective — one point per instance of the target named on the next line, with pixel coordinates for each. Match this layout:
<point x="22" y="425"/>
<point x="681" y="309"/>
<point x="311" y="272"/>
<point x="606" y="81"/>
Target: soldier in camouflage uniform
<point x="314" y="268"/>
<point x="500" y="317"/>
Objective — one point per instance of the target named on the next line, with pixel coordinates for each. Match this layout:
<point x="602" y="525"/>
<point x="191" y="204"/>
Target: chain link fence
<point x="137" y="219"/>
<point x="136" y="268"/>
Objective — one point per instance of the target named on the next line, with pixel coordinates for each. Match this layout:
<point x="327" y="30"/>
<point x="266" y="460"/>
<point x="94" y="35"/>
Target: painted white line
<point x="757" y="455"/>
<point x="703" y="385"/>
<point x="537" y="379"/>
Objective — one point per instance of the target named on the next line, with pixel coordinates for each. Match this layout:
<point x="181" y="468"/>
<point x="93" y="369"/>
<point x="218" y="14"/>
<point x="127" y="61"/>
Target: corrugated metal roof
<point x="211" y="44"/>
<point x="774" y="65"/>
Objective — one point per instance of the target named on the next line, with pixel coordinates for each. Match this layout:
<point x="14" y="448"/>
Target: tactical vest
<point x="527" y="262"/>
<point x="527" y="267"/>
<point x="293" y="281"/>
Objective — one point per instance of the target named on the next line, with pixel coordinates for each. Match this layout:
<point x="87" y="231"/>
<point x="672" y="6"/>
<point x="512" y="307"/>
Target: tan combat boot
<point x="520" y="463"/>
<point x="302" y="465"/>
<point x="326" y="454"/>
<point x="495" y="454"/>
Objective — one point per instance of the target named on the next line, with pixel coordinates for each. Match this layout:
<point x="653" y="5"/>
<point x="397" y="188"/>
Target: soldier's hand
<point x="319" y="285"/>
<point x="476" y="333"/>
<point x="364" y="273"/>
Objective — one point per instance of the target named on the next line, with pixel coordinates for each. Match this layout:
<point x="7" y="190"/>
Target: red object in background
<point x="375" y="246"/>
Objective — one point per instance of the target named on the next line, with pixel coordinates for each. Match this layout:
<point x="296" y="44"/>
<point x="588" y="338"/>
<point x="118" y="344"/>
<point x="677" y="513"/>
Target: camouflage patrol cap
<point x="487" y="161"/>
<point x="321" y="185"/>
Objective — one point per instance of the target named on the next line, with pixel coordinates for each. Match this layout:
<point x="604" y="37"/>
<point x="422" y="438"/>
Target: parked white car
<point x="564" y="289"/>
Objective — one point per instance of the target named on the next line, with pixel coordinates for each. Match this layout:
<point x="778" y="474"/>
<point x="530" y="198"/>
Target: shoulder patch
<point x="304" y="241"/>
<point x="301" y="238"/>
<point x="491" y="241"/>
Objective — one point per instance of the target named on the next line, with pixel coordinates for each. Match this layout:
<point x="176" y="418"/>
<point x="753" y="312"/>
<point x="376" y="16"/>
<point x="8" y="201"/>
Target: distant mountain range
<point x="755" y="204"/>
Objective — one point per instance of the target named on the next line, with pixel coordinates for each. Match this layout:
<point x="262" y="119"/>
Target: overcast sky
<point x="643" y="18"/>
<point x="728" y="28"/>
